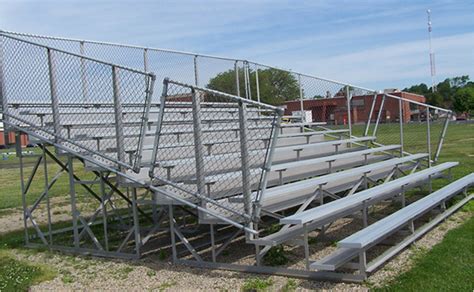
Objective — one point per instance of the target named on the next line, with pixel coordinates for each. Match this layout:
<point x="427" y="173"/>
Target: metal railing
<point x="222" y="148"/>
<point x="44" y="88"/>
<point x="256" y="81"/>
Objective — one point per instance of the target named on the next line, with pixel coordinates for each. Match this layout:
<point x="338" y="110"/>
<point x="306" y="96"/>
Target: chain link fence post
<point x="54" y="96"/>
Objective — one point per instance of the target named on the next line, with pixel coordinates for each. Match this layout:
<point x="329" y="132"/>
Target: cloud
<point x="381" y="44"/>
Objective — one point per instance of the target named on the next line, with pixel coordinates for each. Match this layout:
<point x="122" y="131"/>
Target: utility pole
<point x="432" y="56"/>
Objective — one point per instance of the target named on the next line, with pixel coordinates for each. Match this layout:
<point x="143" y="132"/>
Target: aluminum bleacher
<point x="196" y="171"/>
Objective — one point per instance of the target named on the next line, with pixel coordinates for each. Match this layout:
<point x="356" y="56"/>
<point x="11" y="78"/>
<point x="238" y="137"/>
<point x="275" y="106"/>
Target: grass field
<point x="449" y="262"/>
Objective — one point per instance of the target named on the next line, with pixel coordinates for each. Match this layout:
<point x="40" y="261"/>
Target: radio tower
<point x="432" y="56"/>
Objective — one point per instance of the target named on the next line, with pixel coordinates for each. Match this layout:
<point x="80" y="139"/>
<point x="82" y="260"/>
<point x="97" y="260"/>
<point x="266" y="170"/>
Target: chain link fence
<point x="87" y="105"/>
<point x="328" y="104"/>
<point x="214" y="148"/>
<point x="417" y="127"/>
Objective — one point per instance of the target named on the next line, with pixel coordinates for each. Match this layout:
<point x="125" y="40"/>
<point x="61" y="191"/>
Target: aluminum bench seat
<point x="312" y="133"/>
<point x="381" y="229"/>
<point x="286" y="153"/>
<point x="283" y="197"/>
<point x="348" y="205"/>
<point x="330" y="159"/>
<point x="351" y="246"/>
<point x="329" y="212"/>
<point x="304" y="188"/>
<point x="228" y="185"/>
<point x="305" y="124"/>
<point x="232" y="145"/>
<point x="286" y="140"/>
<point x="183" y="168"/>
<point x="335" y="260"/>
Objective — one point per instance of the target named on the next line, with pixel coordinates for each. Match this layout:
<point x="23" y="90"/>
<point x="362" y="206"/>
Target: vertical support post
<point x="362" y="263"/>
<point x="379" y="116"/>
<point x="372" y="107"/>
<point x="145" y="59"/>
<point x="441" y="138"/>
<point x="3" y="96"/>
<point x="54" y="96"/>
<point x="83" y="72"/>
<point x="104" y="211"/>
<point x="118" y="117"/>
<point x="156" y="141"/>
<point x="246" y="188"/>
<point x="400" y="118"/>
<point x="349" y="110"/>
<point x="196" y="71"/>
<point x="72" y="194"/>
<point x="198" y="146"/>
<point x="46" y="192"/>
<point x="402" y="197"/>
<point x="246" y="79"/>
<point x="237" y="82"/>
<point x="301" y="99"/>
<point x="268" y="161"/>
<point x="249" y="84"/>
<point x="257" y="84"/>
<point x="22" y="184"/>
<point x="150" y="84"/>
<point x="136" y="223"/>
<point x="306" y="246"/>
<point x="172" y="233"/>
<point x="428" y="134"/>
<point x="213" y="244"/>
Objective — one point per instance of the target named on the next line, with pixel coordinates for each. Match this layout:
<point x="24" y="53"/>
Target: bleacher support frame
<point x="67" y="98"/>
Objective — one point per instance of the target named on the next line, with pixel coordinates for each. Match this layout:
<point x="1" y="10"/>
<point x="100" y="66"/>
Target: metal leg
<point x="72" y="194"/>
<point x="136" y="223"/>
<point x="362" y="263"/>
<point x="22" y="185"/>
<point x="306" y="246"/>
<point x="172" y="234"/>
<point x="213" y="247"/>
<point x="48" y="205"/>
<point x="104" y="212"/>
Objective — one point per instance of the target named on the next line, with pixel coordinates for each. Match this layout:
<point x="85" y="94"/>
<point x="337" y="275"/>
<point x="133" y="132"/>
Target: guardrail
<point x="249" y="129"/>
<point x="36" y="77"/>
<point x="269" y="84"/>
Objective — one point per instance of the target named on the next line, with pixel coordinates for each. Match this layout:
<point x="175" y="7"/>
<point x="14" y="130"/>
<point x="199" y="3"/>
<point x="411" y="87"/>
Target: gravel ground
<point x="87" y="273"/>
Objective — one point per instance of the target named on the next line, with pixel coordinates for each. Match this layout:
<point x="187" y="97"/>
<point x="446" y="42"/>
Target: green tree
<point x="464" y="100"/>
<point x="454" y="93"/>
<point x="418" y="89"/>
<point x="276" y="86"/>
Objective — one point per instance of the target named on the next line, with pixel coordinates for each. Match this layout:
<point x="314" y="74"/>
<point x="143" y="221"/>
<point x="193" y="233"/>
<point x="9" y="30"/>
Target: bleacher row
<point x="317" y="175"/>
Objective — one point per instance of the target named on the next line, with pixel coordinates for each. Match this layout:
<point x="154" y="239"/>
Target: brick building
<point x="11" y="136"/>
<point x="334" y="110"/>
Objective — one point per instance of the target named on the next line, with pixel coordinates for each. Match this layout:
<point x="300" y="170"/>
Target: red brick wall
<point x="334" y="110"/>
<point x="11" y="138"/>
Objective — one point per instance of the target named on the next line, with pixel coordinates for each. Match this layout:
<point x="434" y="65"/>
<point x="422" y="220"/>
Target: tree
<point x="275" y="86"/>
<point x="418" y="89"/>
<point x="454" y="93"/>
<point x="464" y="100"/>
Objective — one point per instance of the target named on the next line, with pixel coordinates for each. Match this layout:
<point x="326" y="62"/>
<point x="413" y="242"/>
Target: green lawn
<point x="449" y="266"/>
<point x="17" y="275"/>
<point x="450" y="263"/>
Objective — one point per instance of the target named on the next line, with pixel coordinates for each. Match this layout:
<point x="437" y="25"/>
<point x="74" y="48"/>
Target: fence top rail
<point x="7" y="35"/>
<point x="226" y="95"/>
<point x="3" y="32"/>
<point x="122" y="45"/>
<point x="418" y="103"/>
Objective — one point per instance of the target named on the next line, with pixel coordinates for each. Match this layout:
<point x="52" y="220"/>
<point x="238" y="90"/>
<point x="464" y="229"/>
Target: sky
<point x="375" y="44"/>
